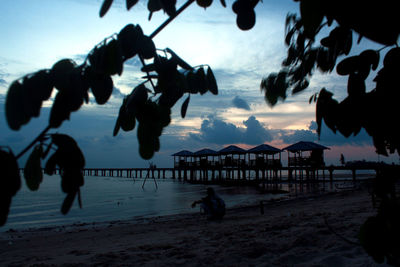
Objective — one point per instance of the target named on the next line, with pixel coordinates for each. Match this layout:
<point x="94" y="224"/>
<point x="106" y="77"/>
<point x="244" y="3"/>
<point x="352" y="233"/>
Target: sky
<point x="38" y="33"/>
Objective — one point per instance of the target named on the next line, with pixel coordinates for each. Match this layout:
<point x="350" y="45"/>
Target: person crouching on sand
<point x="212" y="205"/>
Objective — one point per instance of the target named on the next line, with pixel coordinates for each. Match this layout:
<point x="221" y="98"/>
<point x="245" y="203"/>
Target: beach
<point x="289" y="232"/>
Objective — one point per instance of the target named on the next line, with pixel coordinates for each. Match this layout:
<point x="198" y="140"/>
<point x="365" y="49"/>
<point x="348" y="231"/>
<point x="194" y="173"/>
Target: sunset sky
<point x="36" y="34"/>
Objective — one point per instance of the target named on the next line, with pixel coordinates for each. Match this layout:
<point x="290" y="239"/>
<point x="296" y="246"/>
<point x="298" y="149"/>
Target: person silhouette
<point x="212" y="205"/>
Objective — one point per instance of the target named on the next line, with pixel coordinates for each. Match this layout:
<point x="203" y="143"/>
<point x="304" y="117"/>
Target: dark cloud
<point x="217" y="131"/>
<point x="240" y="103"/>
<point x="255" y="133"/>
<point x="328" y="137"/>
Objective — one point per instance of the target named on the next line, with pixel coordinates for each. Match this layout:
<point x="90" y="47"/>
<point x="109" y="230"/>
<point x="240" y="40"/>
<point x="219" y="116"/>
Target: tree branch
<point x="171" y="18"/>
<point x="40" y="136"/>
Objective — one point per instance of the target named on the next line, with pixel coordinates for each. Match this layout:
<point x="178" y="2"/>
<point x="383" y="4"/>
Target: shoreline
<point x="290" y="232"/>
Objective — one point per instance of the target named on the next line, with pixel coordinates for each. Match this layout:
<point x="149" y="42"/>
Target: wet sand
<point x="290" y="232"/>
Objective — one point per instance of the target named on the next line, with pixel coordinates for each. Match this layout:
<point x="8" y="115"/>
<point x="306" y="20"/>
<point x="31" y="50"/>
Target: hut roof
<point x="232" y="149"/>
<point x="264" y="148"/>
<point x="205" y="152"/>
<point x="305" y="146"/>
<point x="183" y="153"/>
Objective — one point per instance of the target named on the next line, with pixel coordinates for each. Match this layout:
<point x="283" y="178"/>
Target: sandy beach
<point x="290" y="232"/>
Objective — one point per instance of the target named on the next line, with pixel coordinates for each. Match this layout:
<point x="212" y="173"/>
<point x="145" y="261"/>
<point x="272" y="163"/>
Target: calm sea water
<point x="110" y="198"/>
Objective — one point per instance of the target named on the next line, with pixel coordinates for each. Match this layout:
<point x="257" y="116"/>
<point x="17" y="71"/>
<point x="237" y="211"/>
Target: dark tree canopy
<point x="167" y="78"/>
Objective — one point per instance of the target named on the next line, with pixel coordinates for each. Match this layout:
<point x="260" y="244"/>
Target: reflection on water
<point x="109" y="199"/>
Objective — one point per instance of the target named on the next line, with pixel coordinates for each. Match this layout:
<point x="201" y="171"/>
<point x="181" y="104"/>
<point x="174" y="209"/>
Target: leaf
<point x="37" y="88"/>
<point x="10" y="182"/>
<point x="201" y="81"/>
<point x="15" y="114"/>
<point x="129" y="38"/>
<point x="131" y="3"/>
<point x="60" y="73"/>
<point x="113" y="58"/>
<point x="204" y="3"/>
<point x="59" y="111"/>
<point x="105" y="7"/>
<point x="179" y="60"/>
<point x="146" y="47"/>
<point x="211" y="82"/>
<point x="79" y="199"/>
<point x="300" y="86"/>
<point x="33" y="170"/>
<point x="348" y="65"/>
<point x="355" y="85"/>
<point x="153" y="6"/>
<point x="169" y="6"/>
<point x="185" y="106"/>
<point x="117" y="126"/>
<point x="102" y="87"/>
<point x="69" y="153"/>
<point x="136" y="99"/>
<point x="312" y="13"/>
<point x="67" y="203"/>
<point x="51" y="163"/>
<point x="392" y="58"/>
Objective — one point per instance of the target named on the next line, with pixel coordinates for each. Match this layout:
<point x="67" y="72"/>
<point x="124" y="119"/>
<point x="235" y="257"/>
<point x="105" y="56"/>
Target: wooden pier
<point x="236" y="175"/>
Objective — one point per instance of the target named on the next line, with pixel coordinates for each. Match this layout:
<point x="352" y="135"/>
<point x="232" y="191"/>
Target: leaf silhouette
<point x="61" y="71"/>
<point x="10" y="182"/>
<point x="33" y="170"/>
<point x="67" y="203"/>
<point x="312" y="14"/>
<point x="102" y="87"/>
<point x="169" y="6"/>
<point x="185" y="106"/>
<point x="179" y="60"/>
<point x="15" y="113"/>
<point x="131" y="3"/>
<point x="146" y="47"/>
<point x="211" y="82"/>
<point x="105" y="7"/>
<point x="129" y="38"/>
<point x="136" y="99"/>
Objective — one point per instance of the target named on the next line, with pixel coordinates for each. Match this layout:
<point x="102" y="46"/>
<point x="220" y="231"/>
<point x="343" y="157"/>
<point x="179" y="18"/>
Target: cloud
<point x="117" y="93"/>
<point x="216" y="131"/>
<point x="327" y="137"/>
<point x="240" y="103"/>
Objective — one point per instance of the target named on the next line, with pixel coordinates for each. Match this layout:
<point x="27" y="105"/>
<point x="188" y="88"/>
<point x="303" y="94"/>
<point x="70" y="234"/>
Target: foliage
<point x="371" y="109"/>
<point x="379" y="234"/>
<point x="169" y="77"/>
<point x="362" y="108"/>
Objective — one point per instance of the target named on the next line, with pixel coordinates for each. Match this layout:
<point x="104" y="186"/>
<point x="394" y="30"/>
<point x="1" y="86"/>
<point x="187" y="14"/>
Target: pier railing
<point x="209" y="174"/>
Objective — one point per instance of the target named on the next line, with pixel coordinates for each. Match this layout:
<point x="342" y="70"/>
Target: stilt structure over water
<point x="305" y="157"/>
<point x="230" y="165"/>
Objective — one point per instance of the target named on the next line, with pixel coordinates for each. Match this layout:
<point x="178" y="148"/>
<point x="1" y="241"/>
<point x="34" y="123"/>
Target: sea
<point x="107" y="199"/>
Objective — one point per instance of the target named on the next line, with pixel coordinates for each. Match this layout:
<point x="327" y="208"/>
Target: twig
<point x="171" y="18"/>
<point x="40" y="136"/>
